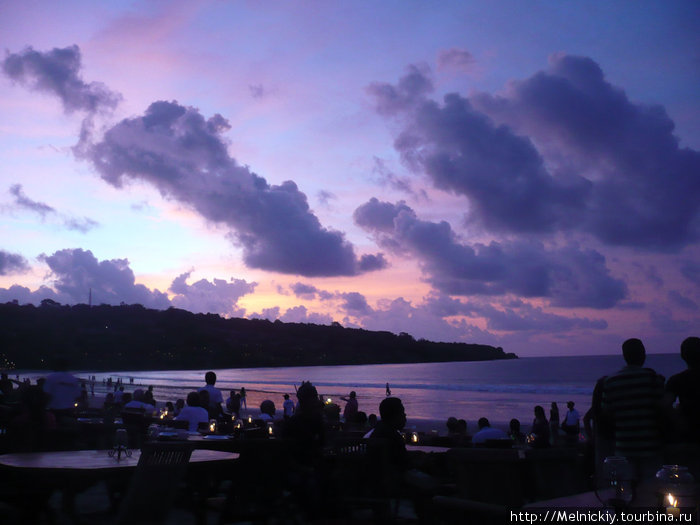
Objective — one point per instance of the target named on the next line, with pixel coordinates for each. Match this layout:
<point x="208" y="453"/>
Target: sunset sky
<point x="521" y="174"/>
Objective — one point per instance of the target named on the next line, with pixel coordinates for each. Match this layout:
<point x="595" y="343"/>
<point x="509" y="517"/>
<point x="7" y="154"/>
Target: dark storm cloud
<point x="23" y="201"/>
<point x="77" y="271"/>
<point x="12" y="263"/>
<point x="185" y="157"/>
<point x="217" y="296"/>
<point x="562" y="150"/>
<point x="58" y="72"/>
<point x="568" y="276"/>
<point x="644" y="186"/>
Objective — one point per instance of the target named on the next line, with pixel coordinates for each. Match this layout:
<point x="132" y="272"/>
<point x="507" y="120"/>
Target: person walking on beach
<point x="388" y="390"/>
<point x="244" y="403"/>
<point x="633" y="402"/>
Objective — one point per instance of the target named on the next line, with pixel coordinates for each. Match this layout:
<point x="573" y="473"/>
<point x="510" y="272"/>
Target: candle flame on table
<point x="671" y="500"/>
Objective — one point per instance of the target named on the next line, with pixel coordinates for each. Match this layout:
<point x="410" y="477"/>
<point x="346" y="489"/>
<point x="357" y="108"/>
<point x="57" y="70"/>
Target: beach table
<point x="94" y="461"/>
<point x="427" y="449"/>
<point x="76" y="470"/>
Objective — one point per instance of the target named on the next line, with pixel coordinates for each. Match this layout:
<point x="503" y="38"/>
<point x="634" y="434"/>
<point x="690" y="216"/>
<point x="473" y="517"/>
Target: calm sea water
<point x="499" y="390"/>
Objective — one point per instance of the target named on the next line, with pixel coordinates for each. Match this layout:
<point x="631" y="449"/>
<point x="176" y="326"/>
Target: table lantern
<point x="617" y="474"/>
<point x="414" y="438"/>
<point x="212" y="425"/>
<point x="675" y="488"/>
<point x="121" y="442"/>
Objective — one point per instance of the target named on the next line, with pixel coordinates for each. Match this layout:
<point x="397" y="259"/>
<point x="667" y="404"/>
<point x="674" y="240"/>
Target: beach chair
<point x="152" y="490"/>
<point x="495" y="476"/>
<point x="136" y="425"/>
<point x="555" y="472"/>
<point x="361" y="478"/>
<point x="256" y="493"/>
<point x="449" y="510"/>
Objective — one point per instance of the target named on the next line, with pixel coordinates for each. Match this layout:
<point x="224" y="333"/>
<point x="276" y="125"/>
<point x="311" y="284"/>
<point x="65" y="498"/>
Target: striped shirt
<point x="633" y="402"/>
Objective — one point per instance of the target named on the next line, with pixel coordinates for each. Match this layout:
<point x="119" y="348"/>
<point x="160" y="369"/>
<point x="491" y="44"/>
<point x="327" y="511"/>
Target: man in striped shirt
<point x="633" y="401"/>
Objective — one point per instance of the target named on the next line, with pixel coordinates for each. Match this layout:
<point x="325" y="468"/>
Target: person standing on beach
<point x="244" y="403"/>
<point x="554" y="423"/>
<point x="63" y="387"/>
<point x="388" y="390"/>
<point x="571" y="424"/>
<point x="288" y="406"/>
<point x="633" y="402"/>
<point x="685" y="386"/>
<point x="351" y="408"/>
<point x="233" y="403"/>
<point x="540" y="429"/>
<point x="215" y="397"/>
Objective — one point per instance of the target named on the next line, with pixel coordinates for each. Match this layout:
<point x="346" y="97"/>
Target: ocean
<point x="431" y="392"/>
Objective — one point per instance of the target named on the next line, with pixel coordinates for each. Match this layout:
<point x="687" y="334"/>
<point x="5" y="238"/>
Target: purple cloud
<point x="531" y="319"/>
<point x="568" y="277"/>
<point x="184" y="156"/>
<point x="216" y="296"/>
<point x="300" y="314"/>
<point x="464" y="152"/>
<point x="409" y="92"/>
<point x="355" y="303"/>
<point x="309" y="292"/>
<point x="12" y="263"/>
<point x="455" y="59"/>
<point x="23" y="201"/>
<point x="82" y="225"/>
<point x="681" y="300"/>
<point x="58" y="72"/>
<point x="76" y="272"/>
<point x="24" y="295"/>
<point x="640" y="178"/>
<point x="691" y="271"/>
<point x="385" y="177"/>
<point x="561" y="151"/>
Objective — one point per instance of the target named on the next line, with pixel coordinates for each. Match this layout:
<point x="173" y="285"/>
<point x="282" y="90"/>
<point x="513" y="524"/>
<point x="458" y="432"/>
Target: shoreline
<point x="427" y="426"/>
